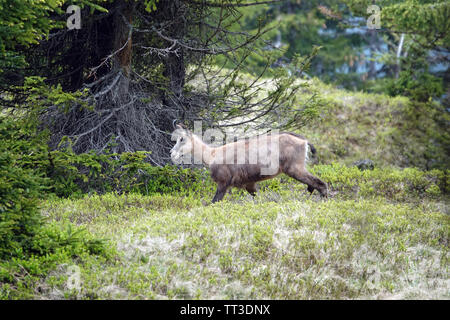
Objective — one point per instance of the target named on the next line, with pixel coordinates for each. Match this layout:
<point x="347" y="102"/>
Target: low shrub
<point x="30" y="247"/>
<point x="72" y="175"/>
<point x="20" y="187"/>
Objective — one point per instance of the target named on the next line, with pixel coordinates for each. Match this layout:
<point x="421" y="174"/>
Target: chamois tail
<point x="313" y="149"/>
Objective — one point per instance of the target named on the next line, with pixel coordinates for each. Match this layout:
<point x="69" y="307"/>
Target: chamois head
<point x="184" y="143"/>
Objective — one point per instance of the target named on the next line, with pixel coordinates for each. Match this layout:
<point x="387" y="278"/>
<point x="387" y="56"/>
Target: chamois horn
<point x="174" y="124"/>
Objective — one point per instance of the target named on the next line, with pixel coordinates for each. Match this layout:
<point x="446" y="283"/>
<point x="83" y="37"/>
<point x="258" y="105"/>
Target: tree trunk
<point x="398" y="55"/>
<point x="373" y="48"/>
<point x="122" y="44"/>
<point x="174" y="66"/>
<point x="175" y="72"/>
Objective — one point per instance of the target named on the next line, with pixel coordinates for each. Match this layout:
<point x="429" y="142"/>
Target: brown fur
<point x="227" y="174"/>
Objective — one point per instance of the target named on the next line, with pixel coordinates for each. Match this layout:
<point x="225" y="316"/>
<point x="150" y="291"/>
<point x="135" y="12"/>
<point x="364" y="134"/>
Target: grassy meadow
<point x="383" y="234"/>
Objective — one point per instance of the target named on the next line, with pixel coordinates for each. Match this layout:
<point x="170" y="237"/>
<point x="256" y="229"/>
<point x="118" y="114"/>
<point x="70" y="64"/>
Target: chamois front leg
<point x="221" y="190"/>
<point x="313" y="183"/>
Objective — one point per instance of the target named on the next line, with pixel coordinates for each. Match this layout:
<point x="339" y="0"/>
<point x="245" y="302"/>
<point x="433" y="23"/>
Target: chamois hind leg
<point x="251" y="188"/>
<point x="307" y="178"/>
<point x="221" y="190"/>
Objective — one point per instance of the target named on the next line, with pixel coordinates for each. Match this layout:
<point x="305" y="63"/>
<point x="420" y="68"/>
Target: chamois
<point x="231" y="165"/>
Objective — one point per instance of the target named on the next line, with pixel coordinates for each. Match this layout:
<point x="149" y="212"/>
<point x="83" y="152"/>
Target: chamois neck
<point x="202" y="151"/>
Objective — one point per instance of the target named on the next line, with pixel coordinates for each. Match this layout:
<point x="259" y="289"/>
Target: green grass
<point x="282" y="244"/>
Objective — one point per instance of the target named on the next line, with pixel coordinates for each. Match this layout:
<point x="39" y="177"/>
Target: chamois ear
<point x="181" y="126"/>
<point x="184" y="128"/>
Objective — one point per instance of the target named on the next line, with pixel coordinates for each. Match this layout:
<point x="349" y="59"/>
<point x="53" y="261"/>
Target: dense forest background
<point x="357" y="57"/>
<point x="133" y="67"/>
